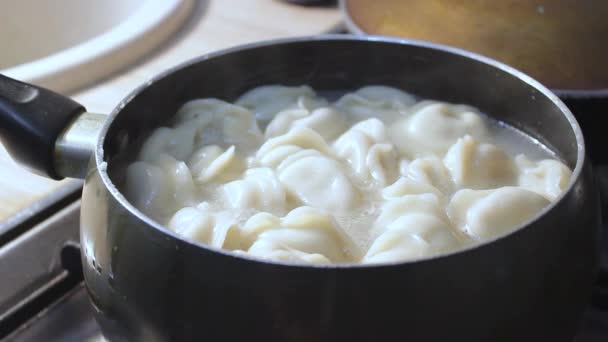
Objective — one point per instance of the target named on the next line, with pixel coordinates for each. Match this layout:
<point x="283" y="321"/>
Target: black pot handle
<point x="31" y="119"/>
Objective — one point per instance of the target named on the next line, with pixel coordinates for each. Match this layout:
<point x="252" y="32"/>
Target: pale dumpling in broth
<point x="319" y="181"/>
<point x="387" y="96"/>
<point x="158" y="189"/>
<point x="201" y="224"/>
<point x="410" y="227"/>
<point x="375" y="177"/>
<point x="412" y="236"/>
<point x="484" y="214"/>
<point x="431" y="171"/>
<point x="259" y="189"/>
<point x="267" y="101"/>
<point x="326" y="121"/>
<point x="218" y="122"/>
<point x="301" y="159"/>
<point x="406" y="186"/>
<point x="276" y="149"/>
<point x="177" y="142"/>
<point x="147" y="187"/>
<point x="305" y="235"/>
<point x="212" y="163"/>
<point x="393" y="209"/>
<point x="476" y="165"/>
<point x="378" y="101"/>
<point x="432" y="127"/>
<point x="367" y="150"/>
<point x="547" y="177"/>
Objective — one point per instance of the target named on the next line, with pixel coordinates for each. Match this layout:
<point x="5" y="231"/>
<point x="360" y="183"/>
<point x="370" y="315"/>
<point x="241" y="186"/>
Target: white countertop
<point x="214" y="25"/>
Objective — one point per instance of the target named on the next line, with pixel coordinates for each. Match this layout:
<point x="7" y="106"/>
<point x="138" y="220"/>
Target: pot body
<point x="147" y="284"/>
<point x="590" y="112"/>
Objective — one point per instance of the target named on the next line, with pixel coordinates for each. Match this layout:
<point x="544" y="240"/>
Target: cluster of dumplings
<point x="373" y="177"/>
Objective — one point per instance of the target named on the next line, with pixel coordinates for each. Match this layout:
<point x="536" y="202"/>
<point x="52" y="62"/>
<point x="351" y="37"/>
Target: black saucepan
<point x="148" y="284"/>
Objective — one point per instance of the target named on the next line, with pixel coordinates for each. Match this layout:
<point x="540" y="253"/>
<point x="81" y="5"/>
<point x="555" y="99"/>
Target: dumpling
<point x="432" y="127"/>
<point x="403" y="164"/>
<point x="548" y="177"/>
<point x="410" y="226"/>
<point x="160" y="189"/>
<point x="275" y="150"/>
<point x="220" y="123"/>
<point x="431" y="171"/>
<point x="485" y="214"/>
<point x="179" y="177"/>
<point x="259" y="189"/>
<point x="406" y="186"/>
<point x="213" y="163"/>
<point x="373" y="128"/>
<point x="391" y="210"/>
<point x="366" y="149"/>
<point x="383" y="102"/>
<point x="318" y="181"/>
<point x="147" y="187"/>
<point x="476" y="165"/>
<point x="388" y="96"/>
<point x="305" y="235"/>
<point x="200" y="224"/>
<point x="266" y="101"/>
<point x="326" y="121"/>
<point x="412" y="236"/>
<point x="308" y="174"/>
<point x="177" y="142"/>
<point x="381" y="163"/>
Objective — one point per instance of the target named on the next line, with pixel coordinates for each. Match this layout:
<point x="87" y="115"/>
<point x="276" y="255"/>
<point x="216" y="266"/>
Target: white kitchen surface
<point x="213" y="25"/>
<point x="65" y="44"/>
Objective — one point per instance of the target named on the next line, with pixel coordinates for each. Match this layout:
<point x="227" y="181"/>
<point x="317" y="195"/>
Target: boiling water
<point x="358" y="222"/>
<point x="514" y="141"/>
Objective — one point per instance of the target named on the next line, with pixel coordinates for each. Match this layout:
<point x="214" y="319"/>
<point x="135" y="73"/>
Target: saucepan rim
<point x="525" y="79"/>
